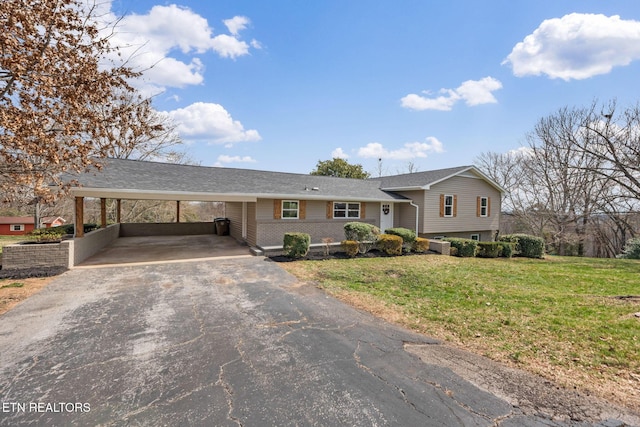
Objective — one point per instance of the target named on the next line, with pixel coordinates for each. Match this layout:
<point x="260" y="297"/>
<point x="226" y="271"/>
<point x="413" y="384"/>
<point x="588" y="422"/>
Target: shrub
<point x="408" y="236"/>
<point x="489" y="249"/>
<point x="363" y="233"/>
<point x="296" y="245"/>
<point x="526" y="245"/>
<point x="46" y="235"/>
<point x="464" y="247"/>
<point x="631" y="249"/>
<point x="350" y="247"/>
<point x="390" y="244"/>
<point x="421" y="245"/>
<point x="507" y="249"/>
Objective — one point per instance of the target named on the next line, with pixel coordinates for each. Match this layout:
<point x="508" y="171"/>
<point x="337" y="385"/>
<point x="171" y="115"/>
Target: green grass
<point x="12" y="285"/>
<point x="10" y="240"/>
<point x="557" y="312"/>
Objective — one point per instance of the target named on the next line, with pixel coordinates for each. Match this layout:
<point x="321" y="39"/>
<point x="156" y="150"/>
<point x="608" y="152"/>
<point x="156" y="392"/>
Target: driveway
<point x="238" y="342"/>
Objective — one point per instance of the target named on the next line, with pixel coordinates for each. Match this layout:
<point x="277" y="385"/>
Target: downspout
<point x="417" y="215"/>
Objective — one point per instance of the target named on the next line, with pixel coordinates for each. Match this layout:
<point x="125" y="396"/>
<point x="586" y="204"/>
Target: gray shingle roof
<point x="120" y="174"/>
<point x="418" y="179"/>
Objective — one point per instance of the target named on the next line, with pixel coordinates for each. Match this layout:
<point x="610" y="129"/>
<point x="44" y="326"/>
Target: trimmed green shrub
<point x="46" y="235"/>
<point x="390" y="244"/>
<point x="350" y="247"/>
<point x="526" y="245"/>
<point x="421" y="245"/>
<point x="408" y="236"/>
<point x="507" y="249"/>
<point x="631" y="249"/>
<point x="489" y="249"/>
<point x="464" y="247"/>
<point x="363" y="233"/>
<point x="296" y="245"/>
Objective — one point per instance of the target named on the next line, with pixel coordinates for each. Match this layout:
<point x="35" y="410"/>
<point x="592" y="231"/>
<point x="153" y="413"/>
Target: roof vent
<point x="316" y="189"/>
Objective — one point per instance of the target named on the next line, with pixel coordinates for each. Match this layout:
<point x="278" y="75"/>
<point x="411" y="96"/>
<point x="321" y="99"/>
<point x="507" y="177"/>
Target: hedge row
<point x="509" y="245"/>
<point x="361" y="237"/>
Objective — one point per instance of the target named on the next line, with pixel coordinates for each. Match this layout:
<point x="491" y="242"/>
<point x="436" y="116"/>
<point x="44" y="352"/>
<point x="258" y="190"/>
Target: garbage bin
<point x="222" y="226"/>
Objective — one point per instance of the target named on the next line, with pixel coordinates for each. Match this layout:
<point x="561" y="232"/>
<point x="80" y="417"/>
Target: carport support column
<point x="79" y="225"/>
<point x="178" y="211"/>
<point x="118" y="211"/>
<point x="103" y="213"/>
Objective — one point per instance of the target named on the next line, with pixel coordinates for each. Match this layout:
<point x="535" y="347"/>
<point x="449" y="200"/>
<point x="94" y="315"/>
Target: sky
<point x="282" y="84"/>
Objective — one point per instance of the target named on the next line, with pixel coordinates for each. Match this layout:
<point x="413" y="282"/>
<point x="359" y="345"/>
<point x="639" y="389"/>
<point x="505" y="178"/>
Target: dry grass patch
<point x="14" y="291"/>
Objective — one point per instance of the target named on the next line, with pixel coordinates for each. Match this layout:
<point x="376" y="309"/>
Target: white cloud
<point x="210" y="122"/>
<point x="410" y="150"/>
<point x="225" y="159"/>
<point x="149" y="43"/>
<point x="236" y="24"/>
<point x="576" y="46"/>
<point x="338" y="153"/>
<point x="472" y="92"/>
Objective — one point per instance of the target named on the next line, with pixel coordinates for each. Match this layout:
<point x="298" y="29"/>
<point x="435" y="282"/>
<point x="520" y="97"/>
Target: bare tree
<point x="577" y="181"/>
<point x="53" y="78"/>
<point x="138" y="130"/>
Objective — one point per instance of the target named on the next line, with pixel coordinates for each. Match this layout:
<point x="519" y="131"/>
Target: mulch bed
<point x="25" y="273"/>
<point x="320" y="256"/>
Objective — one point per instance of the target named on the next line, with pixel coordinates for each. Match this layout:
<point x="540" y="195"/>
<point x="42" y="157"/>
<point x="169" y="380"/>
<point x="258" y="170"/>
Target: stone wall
<point x="166" y="229"/>
<point x="92" y="242"/>
<point x="37" y="255"/>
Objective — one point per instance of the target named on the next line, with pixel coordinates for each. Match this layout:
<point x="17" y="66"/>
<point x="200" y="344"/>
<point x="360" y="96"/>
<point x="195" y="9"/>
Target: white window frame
<point x="450" y="206"/>
<point x="475" y="237"/>
<point x="348" y="207"/>
<point x="484" y="209"/>
<point x="291" y="210"/>
<point x="17" y="227"/>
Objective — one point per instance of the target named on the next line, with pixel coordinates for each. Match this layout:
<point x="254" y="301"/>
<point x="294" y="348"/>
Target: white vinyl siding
<point x="465" y="216"/>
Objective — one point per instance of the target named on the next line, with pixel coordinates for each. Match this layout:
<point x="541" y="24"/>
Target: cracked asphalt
<point x="238" y="342"/>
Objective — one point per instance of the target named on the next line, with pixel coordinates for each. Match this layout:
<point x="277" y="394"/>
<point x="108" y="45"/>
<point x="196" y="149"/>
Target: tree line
<point x="576" y="182"/>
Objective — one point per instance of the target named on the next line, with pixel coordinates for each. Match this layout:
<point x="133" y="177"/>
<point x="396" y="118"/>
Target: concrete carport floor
<point x="146" y="249"/>
<point x="236" y="342"/>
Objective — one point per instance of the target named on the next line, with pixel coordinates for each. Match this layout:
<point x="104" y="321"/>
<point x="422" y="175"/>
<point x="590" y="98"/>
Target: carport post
<point x="177" y="210"/>
<point x="79" y="225"/>
<point x="103" y="213"/>
<point x="118" y="211"/>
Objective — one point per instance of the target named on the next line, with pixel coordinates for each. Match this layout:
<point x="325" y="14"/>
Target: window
<point x="346" y="210"/>
<point x="448" y="205"/>
<point x="290" y="209"/>
<point x="483" y="206"/>
<point x="17" y="227"/>
<point x="475" y="237"/>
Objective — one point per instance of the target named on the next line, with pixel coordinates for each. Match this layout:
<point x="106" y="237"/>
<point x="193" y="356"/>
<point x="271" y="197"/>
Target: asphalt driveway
<point x="235" y="342"/>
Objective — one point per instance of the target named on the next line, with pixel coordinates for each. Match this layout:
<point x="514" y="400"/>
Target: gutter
<point x="417" y="215"/>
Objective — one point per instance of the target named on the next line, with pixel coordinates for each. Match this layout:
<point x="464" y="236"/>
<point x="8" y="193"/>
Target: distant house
<point x="262" y="206"/>
<point x="17" y="225"/>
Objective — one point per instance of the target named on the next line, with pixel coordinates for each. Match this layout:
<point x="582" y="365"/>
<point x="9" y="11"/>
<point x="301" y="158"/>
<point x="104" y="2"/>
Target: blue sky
<point x="282" y="84"/>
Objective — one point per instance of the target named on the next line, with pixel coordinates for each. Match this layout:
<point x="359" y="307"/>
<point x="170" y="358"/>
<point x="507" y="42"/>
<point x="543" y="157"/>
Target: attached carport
<point x="147" y="243"/>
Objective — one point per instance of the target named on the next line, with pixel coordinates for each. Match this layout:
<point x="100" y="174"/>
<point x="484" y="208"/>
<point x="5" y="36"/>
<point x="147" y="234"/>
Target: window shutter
<point x="277" y="209"/>
<point x="478" y="206"/>
<point x="302" y="214"/>
<point x="329" y="210"/>
<point x="455" y="205"/>
<point x="363" y="210"/>
<point x="441" y="205"/>
<point x="488" y="206"/>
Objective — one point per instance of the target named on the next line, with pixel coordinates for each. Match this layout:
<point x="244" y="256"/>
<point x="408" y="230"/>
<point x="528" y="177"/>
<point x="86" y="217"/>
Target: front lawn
<point x="572" y="320"/>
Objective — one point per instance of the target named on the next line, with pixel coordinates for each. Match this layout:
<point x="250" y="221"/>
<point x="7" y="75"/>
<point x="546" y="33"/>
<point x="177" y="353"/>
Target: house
<point x="18" y="225"/>
<point x="262" y="206"/>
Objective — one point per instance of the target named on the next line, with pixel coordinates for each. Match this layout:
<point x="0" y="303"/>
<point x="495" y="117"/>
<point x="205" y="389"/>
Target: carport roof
<point x="135" y="179"/>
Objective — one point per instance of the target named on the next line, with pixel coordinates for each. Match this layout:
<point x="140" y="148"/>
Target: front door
<point x="386" y="216"/>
